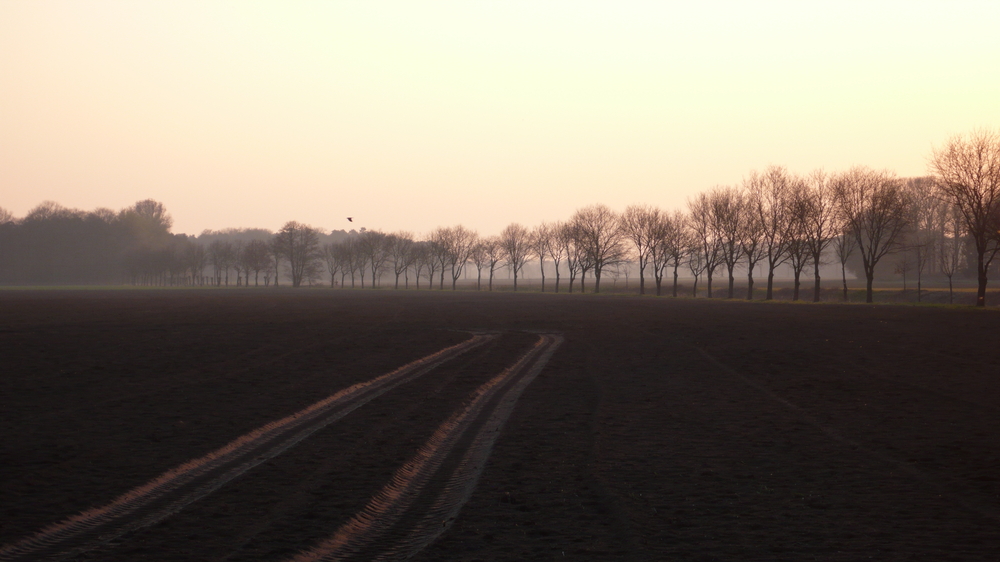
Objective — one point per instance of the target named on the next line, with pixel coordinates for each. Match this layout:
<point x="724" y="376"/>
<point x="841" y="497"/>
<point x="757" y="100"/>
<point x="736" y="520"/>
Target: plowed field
<point x="325" y="424"/>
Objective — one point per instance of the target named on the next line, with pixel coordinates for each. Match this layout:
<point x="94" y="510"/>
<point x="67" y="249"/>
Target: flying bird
<point x="350" y="219"/>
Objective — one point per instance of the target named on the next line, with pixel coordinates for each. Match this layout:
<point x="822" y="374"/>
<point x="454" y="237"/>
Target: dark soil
<point x="662" y="429"/>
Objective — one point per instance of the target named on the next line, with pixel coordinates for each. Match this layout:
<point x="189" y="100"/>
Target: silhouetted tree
<point x="598" y="233"/>
<point x="821" y="226"/>
<point x="874" y="208"/>
<point x="642" y="225"/>
<point x="298" y="244"/>
<point x="705" y="238"/>
<point x="967" y="170"/>
<point x="515" y="242"/>
<point x="401" y="253"/>
<point x="768" y="200"/>
<point x="541" y="247"/>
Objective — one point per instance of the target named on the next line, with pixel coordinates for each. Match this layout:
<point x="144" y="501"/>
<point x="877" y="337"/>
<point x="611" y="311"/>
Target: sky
<point x="409" y="115"/>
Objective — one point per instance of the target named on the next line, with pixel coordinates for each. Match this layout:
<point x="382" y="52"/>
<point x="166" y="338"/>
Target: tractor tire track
<point x="425" y="495"/>
<point x="180" y="486"/>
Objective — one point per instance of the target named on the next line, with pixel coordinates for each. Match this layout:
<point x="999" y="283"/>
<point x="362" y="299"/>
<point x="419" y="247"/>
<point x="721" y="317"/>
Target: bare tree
<point x="673" y="241"/>
<point x="429" y="258"/>
<point x="598" y="233"/>
<point x="257" y="258"/>
<point x="642" y="225"/>
<point x="566" y="239"/>
<point x="298" y="244"/>
<point x="460" y="243"/>
<point x="494" y="255"/>
<point x="927" y="217"/>
<point x="874" y="208"/>
<point x="768" y="200"/>
<point x="374" y="246"/>
<point x="799" y="253"/>
<point x="332" y="257"/>
<point x="196" y="259"/>
<point x="844" y="245"/>
<point x="821" y="226"/>
<point x="239" y="262"/>
<point x="696" y="263"/>
<point x="556" y="249"/>
<point x="221" y="255"/>
<point x="967" y="170"/>
<point x="727" y="213"/>
<point x="541" y="247"/>
<point x="479" y="258"/>
<point x="704" y="238"/>
<point x="515" y="240"/>
<point x="953" y="248"/>
<point x="400" y="249"/>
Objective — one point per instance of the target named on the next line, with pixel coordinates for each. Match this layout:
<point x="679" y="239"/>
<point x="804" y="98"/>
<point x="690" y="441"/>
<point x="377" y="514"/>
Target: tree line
<point x="946" y="224"/>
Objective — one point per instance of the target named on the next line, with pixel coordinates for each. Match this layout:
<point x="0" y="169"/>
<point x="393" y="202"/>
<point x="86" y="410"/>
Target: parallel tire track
<point x="173" y="490"/>
<point x="425" y="495"/>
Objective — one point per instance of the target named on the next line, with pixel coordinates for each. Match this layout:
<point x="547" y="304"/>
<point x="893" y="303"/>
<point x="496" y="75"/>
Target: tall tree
<point x="769" y="200"/>
<point x="821" y="226"/>
<point x="541" y="247"/>
<point x="728" y="213"/>
<point x="598" y="232"/>
<point x="704" y="238"/>
<point x="515" y="240"/>
<point x="298" y="244"/>
<point x="374" y="246"/>
<point x="401" y="252"/>
<point x="643" y="225"/>
<point x="874" y="208"/>
<point x="967" y="170"/>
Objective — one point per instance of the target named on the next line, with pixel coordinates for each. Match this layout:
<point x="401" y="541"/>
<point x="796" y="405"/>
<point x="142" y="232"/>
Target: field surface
<point x="325" y="424"/>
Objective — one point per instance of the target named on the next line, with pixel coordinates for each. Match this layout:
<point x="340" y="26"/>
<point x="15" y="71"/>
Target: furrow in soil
<point x="426" y="493"/>
<point x="179" y="487"/>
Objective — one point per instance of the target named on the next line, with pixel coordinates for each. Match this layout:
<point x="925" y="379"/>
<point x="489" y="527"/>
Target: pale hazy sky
<point x="411" y="115"/>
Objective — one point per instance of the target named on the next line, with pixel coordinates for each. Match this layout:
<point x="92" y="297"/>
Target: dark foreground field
<point x="659" y="430"/>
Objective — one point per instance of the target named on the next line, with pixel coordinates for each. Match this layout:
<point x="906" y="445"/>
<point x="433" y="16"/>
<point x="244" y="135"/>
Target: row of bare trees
<point x="773" y="219"/>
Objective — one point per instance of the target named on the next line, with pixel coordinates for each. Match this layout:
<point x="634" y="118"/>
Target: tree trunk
<point x="981" y="292"/>
<point x="950" y="293"/>
<point x="795" y="291"/>
<point x="732" y="280"/>
<point x="870" y="275"/>
<point x="441" y="280"/>
<point x="750" y="283"/>
<point x="676" y="265"/>
<point x="597" y="281"/>
<point x="557" y="279"/>
<point x="541" y="266"/>
<point x="816" y="288"/>
<point x="709" y="286"/>
<point x="770" y="283"/>
<point x="694" y="290"/>
<point x="843" y="275"/>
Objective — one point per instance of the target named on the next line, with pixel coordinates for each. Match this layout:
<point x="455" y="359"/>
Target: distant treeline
<point x="54" y="245"/>
<point x="946" y="225"/>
